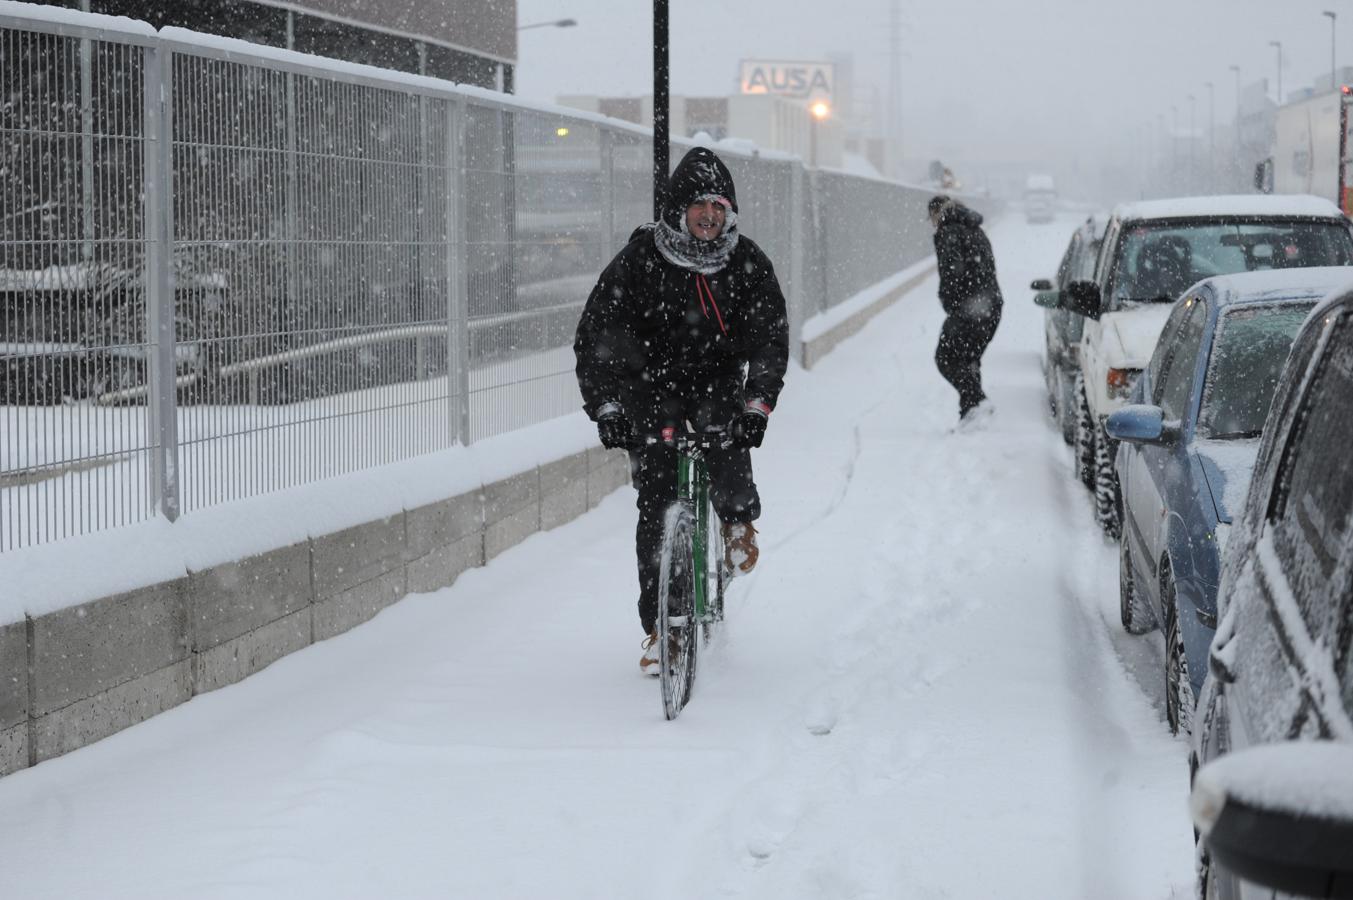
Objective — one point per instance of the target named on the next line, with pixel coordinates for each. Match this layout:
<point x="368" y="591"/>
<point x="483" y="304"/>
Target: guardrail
<point x="226" y="266"/>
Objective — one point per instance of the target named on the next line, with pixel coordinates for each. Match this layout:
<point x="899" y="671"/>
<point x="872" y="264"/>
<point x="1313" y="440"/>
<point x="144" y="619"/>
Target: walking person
<point x="686" y="324"/>
<point x="972" y="303"/>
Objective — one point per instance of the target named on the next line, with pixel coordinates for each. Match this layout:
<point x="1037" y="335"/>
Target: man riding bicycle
<point x="686" y="324"/>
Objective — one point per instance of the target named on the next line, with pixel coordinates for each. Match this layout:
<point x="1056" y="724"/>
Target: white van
<point x="1040" y="198"/>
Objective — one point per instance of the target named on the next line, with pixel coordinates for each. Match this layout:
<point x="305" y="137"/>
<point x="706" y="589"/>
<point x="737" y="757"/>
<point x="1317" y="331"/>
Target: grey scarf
<point x="683" y="249"/>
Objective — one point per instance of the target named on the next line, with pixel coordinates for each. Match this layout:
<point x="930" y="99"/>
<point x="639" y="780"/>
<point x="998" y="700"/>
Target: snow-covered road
<point x="922" y="692"/>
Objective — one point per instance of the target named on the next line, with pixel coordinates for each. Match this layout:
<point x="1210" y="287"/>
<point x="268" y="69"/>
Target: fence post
<point x="457" y="276"/>
<point x="606" y="146"/>
<point x="162" y="409"/>
<point x="798" y="293"/>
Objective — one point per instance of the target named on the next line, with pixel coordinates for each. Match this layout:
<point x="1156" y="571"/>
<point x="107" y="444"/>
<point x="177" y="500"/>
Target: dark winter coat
<point x="652" y="330"/>
<point x="967" y="269"/>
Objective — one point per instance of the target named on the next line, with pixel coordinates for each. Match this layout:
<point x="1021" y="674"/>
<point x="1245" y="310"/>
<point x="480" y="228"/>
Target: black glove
<point x="749" y="426"/>
<point x="616" y="430"/>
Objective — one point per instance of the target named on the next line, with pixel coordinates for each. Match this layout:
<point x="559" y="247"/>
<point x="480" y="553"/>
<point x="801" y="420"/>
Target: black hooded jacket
<point x="651" y="329"/>
<point x="968" y="286"/>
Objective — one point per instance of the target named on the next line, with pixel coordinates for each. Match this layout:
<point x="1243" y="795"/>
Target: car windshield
<point x="1247" y="356"/>
<point x="1157" y="263"/>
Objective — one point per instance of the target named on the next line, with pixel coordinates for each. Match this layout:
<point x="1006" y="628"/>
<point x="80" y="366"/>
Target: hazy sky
<point x="977" y="75"/>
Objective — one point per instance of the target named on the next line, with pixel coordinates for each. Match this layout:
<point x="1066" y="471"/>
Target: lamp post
<point x="1211" y="137"/>
<point x="1332" y="17"/>
<point x="1279" y="45"/>
<point x="1174" y="147"/>
<point x="819" y="111"/>
<point x="1193" y="143"/>
<point x="557" y="23"/>
<point x="661" y="122"/>
<point x="1235" y="137"/>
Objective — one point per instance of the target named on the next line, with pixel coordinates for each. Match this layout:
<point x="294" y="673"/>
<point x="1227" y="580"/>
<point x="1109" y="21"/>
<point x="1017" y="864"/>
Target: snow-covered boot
<point x="739" y="547"/>
<point x="649" y="663"/>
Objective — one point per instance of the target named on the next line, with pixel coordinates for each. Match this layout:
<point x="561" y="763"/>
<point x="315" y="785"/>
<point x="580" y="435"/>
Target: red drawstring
<point x="699" y="283"/>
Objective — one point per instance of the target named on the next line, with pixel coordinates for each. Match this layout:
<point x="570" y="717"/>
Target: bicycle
<point x="692" y="575"/>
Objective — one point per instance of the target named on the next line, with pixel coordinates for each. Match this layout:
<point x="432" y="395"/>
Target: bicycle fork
<point x="693" y="492"/>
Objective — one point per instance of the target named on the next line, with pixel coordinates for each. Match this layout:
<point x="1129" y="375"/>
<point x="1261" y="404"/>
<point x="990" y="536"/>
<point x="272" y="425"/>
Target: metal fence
<point x="228" y="270"/>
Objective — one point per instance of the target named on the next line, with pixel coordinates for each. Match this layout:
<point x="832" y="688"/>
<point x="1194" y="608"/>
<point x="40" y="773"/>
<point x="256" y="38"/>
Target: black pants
<point x="959" y="355"/>
<point x="732" y="489"/>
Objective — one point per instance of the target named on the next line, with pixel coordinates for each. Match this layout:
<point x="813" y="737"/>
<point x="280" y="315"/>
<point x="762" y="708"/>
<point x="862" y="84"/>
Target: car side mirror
<point x="1082" y="298"/>
<point x="1270" y="815"/>
<point x="1048" y="299"/>
<point x="1219" y="664"/>
<point x="1041" y="284"/>
<point x="1141" y="424"/>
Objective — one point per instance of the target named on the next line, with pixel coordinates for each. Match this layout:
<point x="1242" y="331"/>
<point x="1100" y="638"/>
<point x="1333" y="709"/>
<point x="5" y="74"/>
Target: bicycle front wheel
<point x="677" y="626"/>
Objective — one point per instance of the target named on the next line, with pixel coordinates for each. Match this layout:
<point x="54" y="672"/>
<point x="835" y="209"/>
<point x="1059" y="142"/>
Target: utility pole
<point x="661" y="101"/>
<point x="1193" y="145"/>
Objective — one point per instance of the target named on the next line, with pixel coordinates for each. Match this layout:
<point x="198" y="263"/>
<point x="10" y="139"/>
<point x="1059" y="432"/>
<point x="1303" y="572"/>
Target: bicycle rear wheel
<point x="677" y="626"/>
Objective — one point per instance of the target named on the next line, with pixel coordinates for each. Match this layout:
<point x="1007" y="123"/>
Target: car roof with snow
<point x="1278" y="284"/>
<point x="1239" y="205"/>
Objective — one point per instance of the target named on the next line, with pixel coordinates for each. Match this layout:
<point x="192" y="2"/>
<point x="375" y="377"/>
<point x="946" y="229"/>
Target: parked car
<point x="1152" y="252"/>
<point x="1062" y="329"/>
<point x="1273" y="743"/>
<point x="1188" y="444"/>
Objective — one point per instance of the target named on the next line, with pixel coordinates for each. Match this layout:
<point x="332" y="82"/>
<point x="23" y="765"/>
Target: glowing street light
<point x="819" y="110"/>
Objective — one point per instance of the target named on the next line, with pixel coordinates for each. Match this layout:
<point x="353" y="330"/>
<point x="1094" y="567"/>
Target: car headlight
<point x="1120" y="382"/>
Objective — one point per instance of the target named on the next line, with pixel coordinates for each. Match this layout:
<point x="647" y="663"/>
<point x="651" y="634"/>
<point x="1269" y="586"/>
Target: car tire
<point x="1108" y="498"/>
<point x="1132" y="609"/>
<point x="1066" y="395"/>
<point x="1084" y="448"/>
<point x="1179" y="698"/>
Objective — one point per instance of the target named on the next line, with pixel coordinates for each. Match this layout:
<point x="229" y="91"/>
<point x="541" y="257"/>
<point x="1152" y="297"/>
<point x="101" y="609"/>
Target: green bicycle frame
<point x="693" y="491"/>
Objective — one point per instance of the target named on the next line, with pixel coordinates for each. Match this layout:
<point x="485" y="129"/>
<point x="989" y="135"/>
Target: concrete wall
<point x="816" y="348"/>
<point x="72" y="677"/>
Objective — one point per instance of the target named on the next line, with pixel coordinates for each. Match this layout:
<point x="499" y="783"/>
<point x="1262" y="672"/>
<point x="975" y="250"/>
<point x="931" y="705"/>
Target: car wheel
<point x="1066" y="416"/>
<point x="1132" y="609"/>
<point x="1085" y="437"/>
<point x="1108" y="503"/>
<point x="1178" y="688"/>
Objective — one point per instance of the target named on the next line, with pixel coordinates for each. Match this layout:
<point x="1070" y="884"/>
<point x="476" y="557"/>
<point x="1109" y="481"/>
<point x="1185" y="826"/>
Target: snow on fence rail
<point x="228" y="269"/>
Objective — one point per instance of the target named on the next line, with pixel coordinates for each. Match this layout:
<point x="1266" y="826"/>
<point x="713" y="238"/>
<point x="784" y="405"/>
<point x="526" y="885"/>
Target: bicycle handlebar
<point x="720" y="439"/>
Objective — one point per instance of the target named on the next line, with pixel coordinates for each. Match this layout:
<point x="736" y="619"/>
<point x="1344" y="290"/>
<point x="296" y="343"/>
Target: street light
<point x="1193" y="144"/>
<point x="557" y="23"/>
<point x="819" y="111"/>
<point x="1332" y="17"/>
<point x="1279" y="45"/>
<point x="1211" y="136"/>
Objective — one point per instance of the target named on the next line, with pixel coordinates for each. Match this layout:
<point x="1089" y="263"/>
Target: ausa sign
<point x="799" y="80"/>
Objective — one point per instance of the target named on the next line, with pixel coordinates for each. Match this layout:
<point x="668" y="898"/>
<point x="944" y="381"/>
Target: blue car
<point x="1188" y="444"/>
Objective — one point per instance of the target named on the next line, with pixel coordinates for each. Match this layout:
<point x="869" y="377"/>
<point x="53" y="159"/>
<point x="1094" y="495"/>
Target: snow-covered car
<point x="1152" y="252"/>
<point x="1062" y="329"/>
<point x="1273" y="734"/>
<point x="1186" y="448"/>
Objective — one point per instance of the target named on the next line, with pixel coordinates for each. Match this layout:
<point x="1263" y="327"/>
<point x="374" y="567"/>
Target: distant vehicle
<point x="1310" y="140"/>
<point x="1040" y="198"/>
<point x="1152" y="252"/>
<point x="1273" y="736"/>
<point x="1187" y="447"/>
<point x="1062" y="329"/>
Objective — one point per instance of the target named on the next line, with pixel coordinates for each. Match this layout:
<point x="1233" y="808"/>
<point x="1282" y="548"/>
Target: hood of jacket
<point x="700" y="172"/>
<point x="958" y="214"/>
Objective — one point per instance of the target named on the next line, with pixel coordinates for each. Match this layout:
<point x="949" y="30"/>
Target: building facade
<point x="465" y="41"/>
